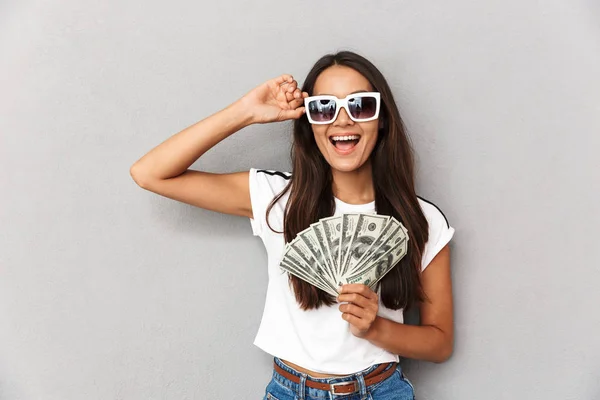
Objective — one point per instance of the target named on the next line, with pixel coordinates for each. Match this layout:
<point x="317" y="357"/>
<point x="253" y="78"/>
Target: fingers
<point x="356" y="298"/>
<point x="294" y="96"/>
<point x="360" y="289"/>
<point x="291" y="91"/>
<point x="361" y="325"/>
<point x="289" y="97"/>
<point x="291" y="114"/>
<point x="355" y="310"/>
<point x="295" y="103"/>
<point x="289" y="86"/>
<point x="354" y="320"/>
<point x="360" y="312"/>
<point x="283" y="79"/>
<point x="360" y="307"/>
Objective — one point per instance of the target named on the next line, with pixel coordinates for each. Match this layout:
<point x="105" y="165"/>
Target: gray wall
<point x="111" y="292"/>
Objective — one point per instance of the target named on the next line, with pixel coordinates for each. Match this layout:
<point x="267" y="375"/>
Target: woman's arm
<point x="164" y="170"/>
<point x="432" y="340"/>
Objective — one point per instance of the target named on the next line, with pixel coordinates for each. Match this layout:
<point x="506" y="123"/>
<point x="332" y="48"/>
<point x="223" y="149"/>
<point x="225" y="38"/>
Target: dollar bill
<point x="381" y="255"/>
<point x="321" y="239"/>
<point x="332" y="227"/>
<point x="317" y="270"/>
<point x="309" y="266"/>
<point x="381" y="266"/>
<point x="347" y="248"/>
<point x="400" y="252"/>
<point x="368" y="228"/>
<point x="348" y="226"/>
<point x="301" y="273"/>
<point x="304" y="251"/>
<point x="388" y="231"/>
<point x="311" y="242"/>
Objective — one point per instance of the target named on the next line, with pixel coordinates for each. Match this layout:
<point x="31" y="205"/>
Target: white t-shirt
<point x="318" y="340"/>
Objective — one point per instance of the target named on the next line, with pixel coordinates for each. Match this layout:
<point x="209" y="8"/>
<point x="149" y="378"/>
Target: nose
<point x="343" y="118"/>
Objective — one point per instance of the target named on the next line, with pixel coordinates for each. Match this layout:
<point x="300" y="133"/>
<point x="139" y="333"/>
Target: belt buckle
<point x="334" y="385"/>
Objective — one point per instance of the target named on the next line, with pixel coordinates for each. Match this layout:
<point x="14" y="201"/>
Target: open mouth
<point x="344" y="142"/>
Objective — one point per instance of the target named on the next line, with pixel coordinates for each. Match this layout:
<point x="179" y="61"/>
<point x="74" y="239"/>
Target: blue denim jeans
<point x="396" y="387"/>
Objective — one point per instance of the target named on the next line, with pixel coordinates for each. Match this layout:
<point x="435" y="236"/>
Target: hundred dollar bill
<point x="368" y="229"/>
<point x="304" y="251"/>
<point x="332" y="227"/>
<point x="309" y="266"/>
<point x="381" y="266"/>
<point x="310" y="239"/>
<point x="299" y="272"/>
<point x="392" y="227"/>
<point x="391" y="245"/>
<point x="319" y="234"/>
<point x="385" y="267"/>
<point x="288" y="265"/>
<point x="293" y="270"/>
<point x="348" y="227"/>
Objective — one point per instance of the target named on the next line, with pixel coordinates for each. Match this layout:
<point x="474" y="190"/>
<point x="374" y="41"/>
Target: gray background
<point x="111" y="292"/>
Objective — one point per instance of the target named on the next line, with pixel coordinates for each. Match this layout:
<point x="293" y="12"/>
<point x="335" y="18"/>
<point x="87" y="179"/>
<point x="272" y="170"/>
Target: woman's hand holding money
<point x="361" y="308"/>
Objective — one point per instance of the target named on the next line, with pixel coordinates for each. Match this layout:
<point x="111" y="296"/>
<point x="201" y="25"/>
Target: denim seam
<point x="283" y="382"/>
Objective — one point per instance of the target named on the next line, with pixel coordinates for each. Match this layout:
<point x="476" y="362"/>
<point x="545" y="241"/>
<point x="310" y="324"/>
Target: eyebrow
<point x="327" y="94"/>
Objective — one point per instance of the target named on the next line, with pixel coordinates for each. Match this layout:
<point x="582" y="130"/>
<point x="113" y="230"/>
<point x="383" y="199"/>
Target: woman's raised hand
<point x="277" y="99"/>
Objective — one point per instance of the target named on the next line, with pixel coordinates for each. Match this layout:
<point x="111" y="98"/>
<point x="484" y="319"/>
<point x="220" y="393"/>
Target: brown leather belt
<point x="375" y="376"/>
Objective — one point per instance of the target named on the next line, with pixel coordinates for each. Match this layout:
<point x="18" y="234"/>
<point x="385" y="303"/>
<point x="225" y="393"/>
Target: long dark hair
<point x="311" y="197"/>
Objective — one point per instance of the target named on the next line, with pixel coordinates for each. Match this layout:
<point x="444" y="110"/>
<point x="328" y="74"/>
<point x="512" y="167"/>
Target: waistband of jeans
<point x="337" y="379"/>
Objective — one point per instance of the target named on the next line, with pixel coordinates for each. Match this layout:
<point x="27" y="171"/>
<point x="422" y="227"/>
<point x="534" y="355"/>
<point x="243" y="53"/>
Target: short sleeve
<point x="440" y="232"/>
<point x="264" y="186"/>
<point x="257" y="201"/>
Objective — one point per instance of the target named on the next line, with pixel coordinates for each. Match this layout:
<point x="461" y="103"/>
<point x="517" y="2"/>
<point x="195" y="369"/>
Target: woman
<point x="350" y="153"/>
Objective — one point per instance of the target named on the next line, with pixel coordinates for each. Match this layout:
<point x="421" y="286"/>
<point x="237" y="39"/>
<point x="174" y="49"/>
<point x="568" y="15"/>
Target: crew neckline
<point x="354" y="206"/>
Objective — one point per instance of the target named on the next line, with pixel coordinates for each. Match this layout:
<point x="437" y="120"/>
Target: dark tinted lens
<point x="362" y="107"/>
<point x="321" y="110"/>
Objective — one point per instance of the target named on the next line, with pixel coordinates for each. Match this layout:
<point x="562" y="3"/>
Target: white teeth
<point x="351" y="137"/>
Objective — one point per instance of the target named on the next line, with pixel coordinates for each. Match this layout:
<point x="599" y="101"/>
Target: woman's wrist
<point x="374" y="331"/>
<point x="244" y="113"/>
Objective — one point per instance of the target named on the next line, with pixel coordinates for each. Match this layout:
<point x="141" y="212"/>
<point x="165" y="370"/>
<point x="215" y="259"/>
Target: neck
<point x="354" y="187"/>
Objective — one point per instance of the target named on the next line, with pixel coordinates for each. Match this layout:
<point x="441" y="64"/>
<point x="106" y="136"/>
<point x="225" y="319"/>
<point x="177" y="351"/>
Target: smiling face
<point x="344" y="155"/>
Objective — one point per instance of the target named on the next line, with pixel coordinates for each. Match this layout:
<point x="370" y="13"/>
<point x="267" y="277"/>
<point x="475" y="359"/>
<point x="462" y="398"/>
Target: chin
<point x="346" y="166"/>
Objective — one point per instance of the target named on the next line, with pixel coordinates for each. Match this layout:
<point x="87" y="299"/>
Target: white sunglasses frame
<point x="339" y="103"/>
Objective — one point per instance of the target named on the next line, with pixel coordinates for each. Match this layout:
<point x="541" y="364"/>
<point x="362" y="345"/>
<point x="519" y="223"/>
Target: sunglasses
<point x="360" y="107"/>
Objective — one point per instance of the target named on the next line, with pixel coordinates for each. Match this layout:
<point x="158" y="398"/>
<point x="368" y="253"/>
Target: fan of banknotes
<point x="347" y="248"/>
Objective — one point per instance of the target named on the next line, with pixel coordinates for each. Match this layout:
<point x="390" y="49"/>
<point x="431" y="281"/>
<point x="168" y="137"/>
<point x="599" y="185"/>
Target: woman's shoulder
<point x="440" y="231"/>
<point x="272" y="174"/>
<point x="433" y="213"/>
<point x="267" y="180"/>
